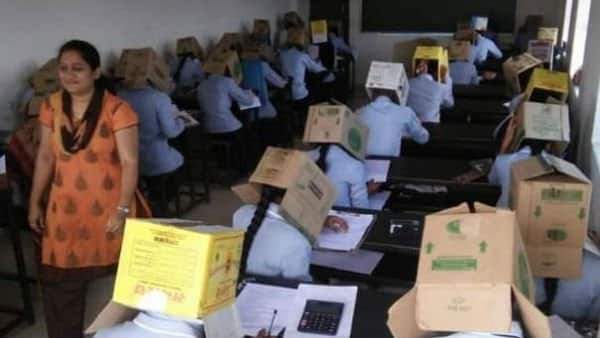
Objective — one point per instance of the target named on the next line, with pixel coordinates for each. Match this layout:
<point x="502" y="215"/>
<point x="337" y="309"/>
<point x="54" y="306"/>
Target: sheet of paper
<point x="256" y="304"/>
<point x="358" y="224"/>
<point x="359" y="261"/>
<point x="377" y="201"/>
<point x="427" y="189"/>
<point x="377" y="170"/>
<point x="255" y="104"/>
<point x="343" y="294"/>
<point x="224" y="323"/>
<point x="3" y="165"/>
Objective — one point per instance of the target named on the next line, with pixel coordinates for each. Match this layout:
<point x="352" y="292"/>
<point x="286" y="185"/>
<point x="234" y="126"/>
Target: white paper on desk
<point x="255" y="104"/>
<point x="224" y="323"/>
<point x="255" y="306"/>
<point x="377" y="170"/>
<point x="591" y="247"/>
<point x="377" y="201"/>
<point x="338" y="294"/>
<point x="3" y="165"/>
<point x="359" y="261"/>
<point x="357" y="227"/>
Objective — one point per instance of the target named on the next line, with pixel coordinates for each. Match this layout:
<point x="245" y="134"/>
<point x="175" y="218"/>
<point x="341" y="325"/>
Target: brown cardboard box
<point x="518" y="70"/>
<point x="548" y="86"/>
<point x="228" y="61"/>
<point x="388" y="76"/>
<point x="472" y="266"/>
<point x="261" y="27"/>
<point x="459" y="50"/>
<point x="189" y="46"/>
<point x="542" y="121"/>
<point x="309" y="195"/>
<point x="542" y="50"/>
<point x="137" y="67"/>
<point x="45" y="80"/>
<point x="552" y="200"/>
<point x="337" y="125"/>
<point x="548" y="33"/>
<point x="229" y="41"/>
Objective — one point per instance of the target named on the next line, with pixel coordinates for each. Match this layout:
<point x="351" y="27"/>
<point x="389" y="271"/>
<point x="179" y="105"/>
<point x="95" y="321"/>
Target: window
<point x="567" y="20"/>
<point x="582" y="20"/>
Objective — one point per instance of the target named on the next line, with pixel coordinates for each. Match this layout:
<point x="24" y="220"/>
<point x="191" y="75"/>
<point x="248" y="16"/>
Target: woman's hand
<point x="36" y="218"/>
<point x="116" y="222"/>
<point x="337" y="224"/>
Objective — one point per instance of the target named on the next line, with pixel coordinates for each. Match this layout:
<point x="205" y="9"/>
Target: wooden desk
<point x="475" y="111"/>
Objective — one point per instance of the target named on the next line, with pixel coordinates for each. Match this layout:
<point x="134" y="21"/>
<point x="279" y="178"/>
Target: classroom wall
<point x="32" y="30"/>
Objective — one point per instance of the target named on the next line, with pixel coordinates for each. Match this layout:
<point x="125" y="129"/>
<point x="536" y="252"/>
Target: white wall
<point x="32" y="30"/>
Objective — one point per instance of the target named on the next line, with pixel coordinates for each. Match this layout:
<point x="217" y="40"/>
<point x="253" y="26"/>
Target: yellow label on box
<point x="549" y="80"/>
<point x="188" y="272"/>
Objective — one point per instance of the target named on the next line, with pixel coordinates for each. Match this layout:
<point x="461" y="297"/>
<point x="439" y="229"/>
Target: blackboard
<point x="440" y="16"/>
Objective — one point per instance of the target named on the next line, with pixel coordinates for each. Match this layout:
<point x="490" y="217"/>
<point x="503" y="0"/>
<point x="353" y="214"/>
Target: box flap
<point x="112" y="315"/>
<point x="261" y="27"/>
<point x="402" y="320"/>
<point x="189" y="46"/>
<point x="531" y="168"/>
<point x="542" y="49"/>
<point x="278" y="167"/>
<point x="296" y="36"/>
<point x="535" y="321"/>
<point x="567" y="168"/>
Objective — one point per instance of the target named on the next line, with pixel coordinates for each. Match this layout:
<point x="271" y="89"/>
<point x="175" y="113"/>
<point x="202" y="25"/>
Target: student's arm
<point x="169" y="125"/>
<point x="359" y="195"/>
<point x="494" y="50"/>
<point x="415" y="129"/>
<point x="240" y="95"/>
<point x="44" y="167"/>
<point x="448" y="100"/>
<point x="493" y="177"/>
<point x="272" y="77"/>
<point x="313" y="66"/>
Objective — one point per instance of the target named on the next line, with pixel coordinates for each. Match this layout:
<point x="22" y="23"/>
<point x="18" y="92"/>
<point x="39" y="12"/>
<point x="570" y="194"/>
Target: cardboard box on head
<point x="261" y="28"/>
<point x="548" y="86"/>
<point x="437" y="59"/>
<point x="542" y="50"/>
<point x="189" y="46"/>
<point x="459" y="50"/>
<point x="45" y="80"/>
<point x="187" y="272"/>
<point x="518" y="69"/>
<point x="297" y="36"/>
<point x="226" y="63"/>
<point x="309" y="195"/>
<point x="388" y="76"/>
<point x="472" y="267"/>
<point x="549" y="34"/>
<point x="542" y="121"/>
<point x="229" y="42"/>
<point x="552" y="200"/>
<point x="479" y="23"/>
<point x="318" y="30"/>
<point x="337" y="125"/>
<point x="140" y="67"/>
<point x="466" y="34"/>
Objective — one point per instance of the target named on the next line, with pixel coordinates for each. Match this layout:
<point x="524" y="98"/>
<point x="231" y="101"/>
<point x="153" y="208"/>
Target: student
<point x="186" y="67"/>
<point x="483" y="48"/>
<point x="340" y="46"/>
<point x="389" y="122"/>
<point x="500" y="173"/>
<point x="463" y="72"/>
<point x="426" y="95"/>
<point x="154" y="325"/>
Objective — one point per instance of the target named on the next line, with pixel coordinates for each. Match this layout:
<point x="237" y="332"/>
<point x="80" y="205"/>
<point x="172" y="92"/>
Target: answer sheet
<point x="358" y="224"/>
<point x="377" y="170"/>
<point x="256" y="304"/>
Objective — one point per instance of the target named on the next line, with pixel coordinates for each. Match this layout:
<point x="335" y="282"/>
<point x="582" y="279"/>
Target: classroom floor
<point x="219" y="211"/>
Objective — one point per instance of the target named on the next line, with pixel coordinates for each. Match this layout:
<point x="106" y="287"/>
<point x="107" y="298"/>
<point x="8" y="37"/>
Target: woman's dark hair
<point x="182" y="60"/>
<point x="322" y="160"/>
<point x="268" y="195"/>
<point x="537" y="146"/>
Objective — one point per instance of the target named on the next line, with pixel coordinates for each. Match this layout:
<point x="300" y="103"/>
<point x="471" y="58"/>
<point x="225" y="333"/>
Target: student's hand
<point x="35" y="218"/>
<point x="337" y="224"/>
<point x="263" y="334"/>
<point x="116" y="222"/>
<point x="373" y="187"/>
<point x="595" y="237"/>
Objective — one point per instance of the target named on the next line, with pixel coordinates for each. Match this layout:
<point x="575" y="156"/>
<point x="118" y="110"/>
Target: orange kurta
<point x="85" y="190"/>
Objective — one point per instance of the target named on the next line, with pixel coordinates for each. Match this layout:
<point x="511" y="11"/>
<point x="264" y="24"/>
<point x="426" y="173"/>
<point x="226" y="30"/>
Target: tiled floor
<point x="219" y="211"/>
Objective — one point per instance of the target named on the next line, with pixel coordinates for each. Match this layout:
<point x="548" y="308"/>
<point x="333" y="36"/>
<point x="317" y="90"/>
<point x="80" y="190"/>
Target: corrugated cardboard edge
<point x="111" y="315"/>
<point x="536" y="323"/>
<point x="402" y="317"/>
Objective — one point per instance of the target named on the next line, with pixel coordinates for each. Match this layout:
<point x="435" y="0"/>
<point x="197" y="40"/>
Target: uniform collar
<point x="168" y="326"/>
<point x="426" y="76"/>
<point x="274" y="211"/>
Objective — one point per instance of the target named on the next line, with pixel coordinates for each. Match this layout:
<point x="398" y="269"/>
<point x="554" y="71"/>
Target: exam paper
<point x="224" y="323"/>
<point x="358" y="224"/>
<point x="255" y="104"/>
<point x="377" y="170"/>
<point x="343" y="294"/>
<point x="377" y="201"/>
<point x="359" y="261"/>
<point x="256" y="304"/>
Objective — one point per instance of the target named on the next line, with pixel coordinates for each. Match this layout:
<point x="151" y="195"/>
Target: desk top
<point x="462" y="132"/>
<point x="487" y="90"/>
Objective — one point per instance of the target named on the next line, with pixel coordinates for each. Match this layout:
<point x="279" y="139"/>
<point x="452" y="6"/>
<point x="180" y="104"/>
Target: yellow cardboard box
<point x="552" y="200"/>
<point x="189" y="46"/>
<point x="546" y="84"/>
<point x="438" y="55"/>
<point x="318" y="30"/>
<point x="186" y="272"/>
<point x="518" y="70"/>
<point x="338" y="125"/>
<point x="473" y="271"/>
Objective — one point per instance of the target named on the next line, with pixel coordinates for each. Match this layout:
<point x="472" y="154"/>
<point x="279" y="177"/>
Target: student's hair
<point x="182" y="60"/>
<point x="537" y="146"/>
<point x="268" y="195"/>
<point x="322" y="160"/>
<point x="377" y="92"/>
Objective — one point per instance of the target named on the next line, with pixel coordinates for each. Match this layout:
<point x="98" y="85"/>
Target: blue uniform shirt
<point x="294" y="64"/>
<point x="215" y="96"/>
<point x="153" y="325"/>
<point x="279" y="249"/>
<point x="157" y="125"/>
<point x="388" y="123"/>
<point x="464" y="73"/>
<point x="500" y="173"/>
<point x="191" y="73"/>
<point x="482" y="48"/>
<point x="425" y="97"/>
<point x="448" y="98"/>
<point x="267" y="110"/>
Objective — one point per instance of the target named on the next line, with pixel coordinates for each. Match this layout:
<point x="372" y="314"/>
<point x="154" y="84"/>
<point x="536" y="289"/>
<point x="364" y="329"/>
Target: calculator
<point x="321" y="317"/>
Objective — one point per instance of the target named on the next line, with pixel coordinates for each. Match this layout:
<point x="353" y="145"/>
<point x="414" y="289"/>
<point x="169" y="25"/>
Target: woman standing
<point x="88" y="161"/>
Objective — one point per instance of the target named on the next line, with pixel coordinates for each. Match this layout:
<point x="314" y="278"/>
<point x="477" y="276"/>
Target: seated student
<point x="426" y="95"/>
<point x="389" y="122"/>
<point x="340" y="46"/>
<point x="154" y="325"/>
<point x="483" y="48"/>
<point x="462" y="70"/>
<point x="186" y="67"/>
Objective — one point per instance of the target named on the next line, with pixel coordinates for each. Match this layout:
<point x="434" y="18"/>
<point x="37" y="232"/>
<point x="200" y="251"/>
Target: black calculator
<point x="321" y="317"/>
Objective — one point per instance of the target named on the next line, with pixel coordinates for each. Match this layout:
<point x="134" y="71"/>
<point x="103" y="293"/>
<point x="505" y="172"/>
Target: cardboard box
<point x="479" y="23"/>
<point x="438" y="56"/>
<point x="45" y="80"/>
<point x="542" y="121"/>
<point x="189" y="46"/>
<point x="318" y="30"/>
<point x="309" y="195"/>
<point x="223" y="63"/>
<point x="549" y="34"/>
<point x="297" y="36"/>
<point x="185" y="272"/>
<point x="518" y="70"/>
<point x="338" y="125"/>
<point x="542" y="50"/>
<point x="552" y="200"/>
<point x="388" y="76"/>
<point x="459" y="50"/>
<point x="261" y="28"/>
<point x="471" y="268"/>
<point x="137" y="67"/>
<point x="548" y="86"/>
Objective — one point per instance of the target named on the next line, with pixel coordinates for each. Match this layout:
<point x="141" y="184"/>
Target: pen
<point x="272" y="321"/>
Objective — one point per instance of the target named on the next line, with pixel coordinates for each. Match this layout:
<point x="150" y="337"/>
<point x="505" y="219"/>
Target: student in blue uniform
<point x="390" y="122"/>
<point x="154" y="325"/>
<point x="340" y="46"/>
<point x="186" y="68"/>
<point x="426" y="95"/>
<point x="464" y="72"/>
<point x="500" y="173"/>
<point x="482" y="48"/>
